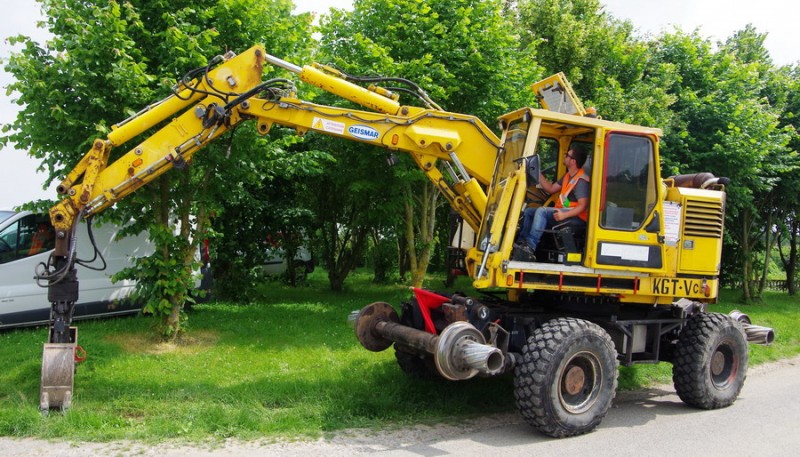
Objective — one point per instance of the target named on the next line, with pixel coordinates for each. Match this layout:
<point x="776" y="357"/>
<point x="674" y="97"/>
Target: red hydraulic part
<point x="460" y="351"/>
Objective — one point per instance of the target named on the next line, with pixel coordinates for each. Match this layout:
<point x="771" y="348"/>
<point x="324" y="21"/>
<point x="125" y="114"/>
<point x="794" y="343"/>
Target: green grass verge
<point x="286" y="367"/>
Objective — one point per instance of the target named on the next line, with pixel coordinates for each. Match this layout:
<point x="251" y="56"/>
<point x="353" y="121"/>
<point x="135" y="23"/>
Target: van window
<point x="28" y="236"/>
<point x="5" y="215"/>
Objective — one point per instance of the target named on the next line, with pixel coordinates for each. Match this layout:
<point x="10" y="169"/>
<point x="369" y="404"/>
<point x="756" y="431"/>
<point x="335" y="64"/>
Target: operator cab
<point x="624" y="227"/>
<point x="564" y="242"/>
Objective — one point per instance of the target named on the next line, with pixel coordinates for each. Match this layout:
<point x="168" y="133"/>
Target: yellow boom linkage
<point x="428" y="135"/>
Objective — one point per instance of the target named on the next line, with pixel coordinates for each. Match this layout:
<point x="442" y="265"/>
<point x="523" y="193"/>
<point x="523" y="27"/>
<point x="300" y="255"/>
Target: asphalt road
<point x="764" y="421"/>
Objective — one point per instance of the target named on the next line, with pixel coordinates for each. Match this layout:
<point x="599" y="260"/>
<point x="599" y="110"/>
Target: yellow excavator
<point x="628" y="285"/>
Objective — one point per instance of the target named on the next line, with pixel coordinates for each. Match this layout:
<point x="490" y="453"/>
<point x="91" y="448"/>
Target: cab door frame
<point x="626" y="215"/>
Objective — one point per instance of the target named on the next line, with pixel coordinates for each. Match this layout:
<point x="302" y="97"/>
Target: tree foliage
<point x="460" y="52"/>
<point x="725" y="123"/>
<point x="352" y="199"/>
<point x="105" y="62"/>
<point x="607" y="65"/>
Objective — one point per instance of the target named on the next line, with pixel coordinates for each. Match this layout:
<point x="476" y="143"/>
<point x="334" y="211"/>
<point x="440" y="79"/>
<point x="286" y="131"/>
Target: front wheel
<point x="568" y="377"/>
<point x="710" y="362"/>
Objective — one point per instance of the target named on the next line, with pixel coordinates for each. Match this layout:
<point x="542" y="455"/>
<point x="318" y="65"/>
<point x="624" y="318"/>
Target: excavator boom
<point x="227" y="95"/>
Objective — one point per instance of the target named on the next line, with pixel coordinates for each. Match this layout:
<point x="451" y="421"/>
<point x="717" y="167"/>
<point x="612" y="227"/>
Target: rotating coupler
<point x="459" y="352"/>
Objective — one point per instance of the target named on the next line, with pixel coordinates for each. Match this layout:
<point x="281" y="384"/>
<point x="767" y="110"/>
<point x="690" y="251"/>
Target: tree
<point x="263" y="208"/>
<point x="608" y="67"/>
<point x="105" y="62"/>
<point x="352" y="199"/>
<point x="460" y="52"/>
<point x="724" y="123"/>
<point x="788" y="190"/>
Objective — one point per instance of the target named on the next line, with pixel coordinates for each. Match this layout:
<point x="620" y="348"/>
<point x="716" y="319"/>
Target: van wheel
<point x="710" y="362"/>
<point x="568" y="377"/>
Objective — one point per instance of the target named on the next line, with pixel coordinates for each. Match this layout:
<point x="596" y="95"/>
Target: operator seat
<point x="565" y="238"/>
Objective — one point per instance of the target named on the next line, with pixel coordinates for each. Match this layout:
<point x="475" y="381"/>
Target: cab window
<point x="629" y="187"/>
<point x="547" y="148"/>
<point x="29" y="236"/>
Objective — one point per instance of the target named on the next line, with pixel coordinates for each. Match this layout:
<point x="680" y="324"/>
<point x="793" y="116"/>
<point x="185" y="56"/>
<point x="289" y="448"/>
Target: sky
<point x="715" y="19"/>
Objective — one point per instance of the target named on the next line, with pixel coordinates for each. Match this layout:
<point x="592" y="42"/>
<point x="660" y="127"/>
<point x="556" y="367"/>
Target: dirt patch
<point x="193" y="343"/>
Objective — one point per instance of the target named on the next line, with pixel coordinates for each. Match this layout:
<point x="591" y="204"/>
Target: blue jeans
<point x="534" y="222"/>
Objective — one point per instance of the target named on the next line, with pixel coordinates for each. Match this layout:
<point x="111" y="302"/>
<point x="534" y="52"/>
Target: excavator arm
<point x="94" y="184"/>
<point x="232" y="93"/>
<point x="207" y="103"/>
<point x="428" y="136"/>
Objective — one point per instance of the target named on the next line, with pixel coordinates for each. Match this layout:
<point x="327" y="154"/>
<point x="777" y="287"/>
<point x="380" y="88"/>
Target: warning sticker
<point x="329" y="126"/>
<point x="672" y="223"/>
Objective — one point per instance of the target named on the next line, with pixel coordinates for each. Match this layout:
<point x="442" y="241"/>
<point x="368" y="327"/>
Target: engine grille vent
<point x="704" y="218"/>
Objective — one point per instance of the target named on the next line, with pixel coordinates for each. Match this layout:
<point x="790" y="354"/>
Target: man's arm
<point x="549" y="187"/>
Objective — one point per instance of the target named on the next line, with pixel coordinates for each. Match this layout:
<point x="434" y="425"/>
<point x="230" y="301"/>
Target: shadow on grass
<point x="162" y="404"/>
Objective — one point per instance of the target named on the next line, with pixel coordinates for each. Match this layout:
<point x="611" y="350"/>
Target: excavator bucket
<point x="58" y="374"/>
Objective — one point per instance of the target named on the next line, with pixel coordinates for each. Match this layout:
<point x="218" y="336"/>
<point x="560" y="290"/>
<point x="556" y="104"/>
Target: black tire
<point x="710" y="362"/>
<point x="568" y="377"/>
<point x="414" y="365"/>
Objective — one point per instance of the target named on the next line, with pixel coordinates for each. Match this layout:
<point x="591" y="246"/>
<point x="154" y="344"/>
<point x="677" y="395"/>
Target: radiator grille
<point x="704" y="219"/>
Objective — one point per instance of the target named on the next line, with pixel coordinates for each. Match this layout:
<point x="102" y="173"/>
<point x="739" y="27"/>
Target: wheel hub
<point x="574" y="381"/>
<point x="366" y="321"/>
<point x="723" y="365"/>
<point x="581" y="382"/>
<point x="717" y="363"/>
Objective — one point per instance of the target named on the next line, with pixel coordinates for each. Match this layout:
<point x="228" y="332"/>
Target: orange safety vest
<point x="567" y="184"/>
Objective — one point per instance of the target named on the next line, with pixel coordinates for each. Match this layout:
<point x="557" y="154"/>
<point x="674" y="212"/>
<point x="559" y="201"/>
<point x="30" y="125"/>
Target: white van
<point x="277" y="264"/>
<point x="27" y="239"/>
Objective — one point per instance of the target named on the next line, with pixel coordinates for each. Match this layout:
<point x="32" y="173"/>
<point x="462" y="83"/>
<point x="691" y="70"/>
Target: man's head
<point x="578" y="154"/>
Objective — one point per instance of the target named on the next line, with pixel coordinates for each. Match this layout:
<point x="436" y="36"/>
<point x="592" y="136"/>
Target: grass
<point x="286" y="367"/>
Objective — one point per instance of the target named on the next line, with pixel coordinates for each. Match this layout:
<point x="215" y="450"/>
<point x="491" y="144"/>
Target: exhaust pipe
<point x="460" y="351"/>
<point x="755" y="334"/>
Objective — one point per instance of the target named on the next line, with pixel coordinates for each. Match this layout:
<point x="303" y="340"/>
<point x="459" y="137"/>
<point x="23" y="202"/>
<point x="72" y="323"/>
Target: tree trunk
<point x="790" y="264"/>
<point x="402" y="255"/>
<point x="336" y="280"/>
<point x="172" y="321"/>
<point x="769" y="244"/>
<point x="420" y="227"/>
<point x="791" y="268"/>
<point x="343" y="250"/>
<point x="746" y="254"/>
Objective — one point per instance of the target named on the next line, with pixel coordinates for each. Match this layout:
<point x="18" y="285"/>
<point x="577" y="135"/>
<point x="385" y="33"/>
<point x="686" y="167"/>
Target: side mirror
<point x="654" y="225"/>
<point x="533" y="166"/>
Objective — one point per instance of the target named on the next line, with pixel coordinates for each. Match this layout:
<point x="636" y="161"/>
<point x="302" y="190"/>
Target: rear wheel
<point x="568" y="377"/>
<point x="418" y="366"/>
<point x="710" y="362"/>
<point x="415" y="365"/>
